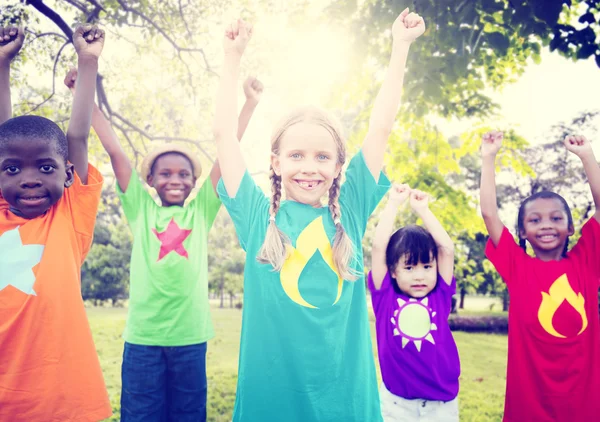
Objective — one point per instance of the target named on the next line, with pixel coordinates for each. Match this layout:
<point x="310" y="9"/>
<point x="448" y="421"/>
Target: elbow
<point x="446" y="250"/>
<point x="380" y="130"/>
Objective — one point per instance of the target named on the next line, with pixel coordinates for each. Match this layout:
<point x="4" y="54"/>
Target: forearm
<point x="487" y="191"/>
<point x="245" y="116"/>
<point x="434" y="227"/>
<point x="83" y="100"/>
<point x="385" y="227"/>
<point x="592" y="171"/>
<point x="387" y="101"/>
<point x="225" y="124"/>
<point x="108" y="138"/>
<point x="5" y="101"/>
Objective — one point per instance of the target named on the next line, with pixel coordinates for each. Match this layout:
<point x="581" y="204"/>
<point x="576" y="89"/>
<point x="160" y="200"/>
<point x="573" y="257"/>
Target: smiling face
<point x="546" y="226"/>
<point x="172" y="177"/>
<point x="33" y="175"/>
<point x="307" y="159"/>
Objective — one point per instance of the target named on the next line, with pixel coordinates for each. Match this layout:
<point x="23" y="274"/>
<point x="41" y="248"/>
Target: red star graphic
<point x="172" y="240"/>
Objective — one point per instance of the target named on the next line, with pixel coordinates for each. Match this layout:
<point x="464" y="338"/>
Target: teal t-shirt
<point x="168" y="291"/>
<point x="305" y="352"/>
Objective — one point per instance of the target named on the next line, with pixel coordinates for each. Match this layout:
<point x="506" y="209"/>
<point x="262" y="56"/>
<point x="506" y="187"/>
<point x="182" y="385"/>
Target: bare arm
<point x="225" y="126"/>
<point x="11" y="41"/>
<point x="253" y="89"/>
<point x="487" y="189"/>
<point x="88" y="42"/>
<point x="406" y="29"/>
<point x="383" y="231"/>
<point x="445" y="245"/>
<point x="581" y="147"/>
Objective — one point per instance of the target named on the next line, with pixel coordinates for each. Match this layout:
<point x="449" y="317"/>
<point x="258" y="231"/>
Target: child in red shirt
<point x="553" y="373"/>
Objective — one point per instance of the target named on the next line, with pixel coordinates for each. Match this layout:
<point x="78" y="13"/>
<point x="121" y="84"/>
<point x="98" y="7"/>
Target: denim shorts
<point x="163" y="383"/>
<point x="398" y="409"/>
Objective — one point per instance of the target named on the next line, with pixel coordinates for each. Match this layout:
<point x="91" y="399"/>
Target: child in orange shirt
<point x="49" y="196"/>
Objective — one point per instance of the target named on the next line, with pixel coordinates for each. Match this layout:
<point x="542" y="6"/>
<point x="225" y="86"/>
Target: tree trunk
<point x="231" y="300"/>
<point x="505" y="300"/>
<point x="463" y="293"/>
<point x="222" y="294"/>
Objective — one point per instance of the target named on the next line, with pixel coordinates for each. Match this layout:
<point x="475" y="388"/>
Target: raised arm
<point x="406" y="28"/>
<point x="581" y="147"/>
<point x="108" y="138"/>
<point x="490" y="145"/>
<point x="225" y="126"/>
<point x="11" y="41"/>
<point x="383" y="231"/>
<point x="253" y="90"/>
<point x="88" y="41"/>
<point x="419" y="202"/>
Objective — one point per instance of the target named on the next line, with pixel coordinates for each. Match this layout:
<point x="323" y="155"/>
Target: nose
<point x="309" y="168"/>
<point x="418" y="275"/>
<point x="29" y="181"/>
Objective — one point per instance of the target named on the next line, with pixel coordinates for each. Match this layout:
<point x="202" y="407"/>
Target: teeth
<point x="307" y="184"/>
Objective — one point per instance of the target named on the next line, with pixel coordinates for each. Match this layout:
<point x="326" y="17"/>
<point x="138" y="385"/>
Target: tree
<point x="105" y="272"/>
<point x="469" y="45"/>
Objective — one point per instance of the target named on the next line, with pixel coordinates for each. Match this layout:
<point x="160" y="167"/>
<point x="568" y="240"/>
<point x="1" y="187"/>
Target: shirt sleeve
<point x="378" y="294"/>
<point x="506" y="257"/>
<point x="135" y="198"/>
<point x="447" y="289"/>
<point x="83" y="202"/>
<point x="207" y="202"/>
<point x="587" y="249"/>
<point x="248" y="209"/>
<point x="361" y="193"/>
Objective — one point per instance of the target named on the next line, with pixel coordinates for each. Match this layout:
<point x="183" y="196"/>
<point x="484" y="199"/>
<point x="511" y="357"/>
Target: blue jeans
<point x="163" y="383"/>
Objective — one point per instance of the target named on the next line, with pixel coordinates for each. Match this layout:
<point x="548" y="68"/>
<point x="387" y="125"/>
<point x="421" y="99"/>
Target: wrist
<point x="5" y="63"/>
<point x="588" y="156"/>
<point x="490" y="158"/>
<point x="401" y="44"/>
<point x="251" y="102"/>
<point x="87" y="61"/>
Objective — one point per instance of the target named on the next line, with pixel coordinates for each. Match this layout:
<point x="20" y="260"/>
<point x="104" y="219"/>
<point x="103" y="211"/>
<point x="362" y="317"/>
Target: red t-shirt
<point x="553" y="372"/>
<point x="49" y="369"/>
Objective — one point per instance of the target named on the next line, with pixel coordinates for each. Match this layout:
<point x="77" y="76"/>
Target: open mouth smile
<point x="308" y="184"/>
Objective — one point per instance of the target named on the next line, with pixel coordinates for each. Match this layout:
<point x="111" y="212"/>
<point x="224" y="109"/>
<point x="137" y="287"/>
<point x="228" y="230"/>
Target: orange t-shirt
<point x="49" y="369"/>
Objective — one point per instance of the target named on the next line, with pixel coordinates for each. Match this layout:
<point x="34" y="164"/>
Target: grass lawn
<point x="483" y="359"/>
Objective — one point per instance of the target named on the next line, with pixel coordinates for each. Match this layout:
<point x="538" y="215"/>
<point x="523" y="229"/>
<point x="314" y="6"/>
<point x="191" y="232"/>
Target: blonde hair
<point x="274" y="250"/>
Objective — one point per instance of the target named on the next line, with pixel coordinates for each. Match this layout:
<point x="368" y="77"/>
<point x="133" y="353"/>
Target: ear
<point x="571" y="230"/>
<point x="69" y="170"/>
<point x="276" y="164"/>
<point x="522" y="234"/>
<point x="150" y="180"/>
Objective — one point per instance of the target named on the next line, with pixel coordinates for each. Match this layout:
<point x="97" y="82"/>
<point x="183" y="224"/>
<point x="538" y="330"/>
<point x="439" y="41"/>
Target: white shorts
<point x="398" y="409"/>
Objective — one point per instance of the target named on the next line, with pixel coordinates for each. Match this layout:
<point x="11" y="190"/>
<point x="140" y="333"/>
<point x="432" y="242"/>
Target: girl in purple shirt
<point x="412" y="284"/>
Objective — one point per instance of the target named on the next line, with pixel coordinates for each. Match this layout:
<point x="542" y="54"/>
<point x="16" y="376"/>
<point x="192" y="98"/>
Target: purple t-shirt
<point x="417" y="353"/>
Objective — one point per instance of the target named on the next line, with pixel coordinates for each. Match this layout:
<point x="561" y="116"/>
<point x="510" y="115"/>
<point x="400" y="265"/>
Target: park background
<point x="528" y="68"/>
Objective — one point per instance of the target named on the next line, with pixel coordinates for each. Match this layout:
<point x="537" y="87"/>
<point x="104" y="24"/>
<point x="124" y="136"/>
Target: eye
<point x="534" y="220"/>
<point x="184" y="174"/>
<point x="408" y="268"/>
<point x="47" y="168"/>
<point x="165" y="174"/>
<point x="428" y="266"/>
<point x="296" y="156"/>
<point x="556" y="218"/>
<point x="322" y="157"/>
<point x="11" y="169"/>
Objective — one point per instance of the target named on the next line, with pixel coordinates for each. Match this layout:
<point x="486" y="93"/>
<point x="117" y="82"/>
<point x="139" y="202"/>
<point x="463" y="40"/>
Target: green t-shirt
<point x="305" y="351"/>
<point x="168" y="292"/>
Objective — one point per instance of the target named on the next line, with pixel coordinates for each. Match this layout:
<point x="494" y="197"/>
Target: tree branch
<point x="53" y="79"/>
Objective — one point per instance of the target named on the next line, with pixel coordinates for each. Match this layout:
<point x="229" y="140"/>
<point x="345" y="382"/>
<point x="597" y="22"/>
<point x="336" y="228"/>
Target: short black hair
<point x="34" y="127"/>
<point x="413" y="242"/>
<point x="171" y="153"/>
<point x="545" y="194"/>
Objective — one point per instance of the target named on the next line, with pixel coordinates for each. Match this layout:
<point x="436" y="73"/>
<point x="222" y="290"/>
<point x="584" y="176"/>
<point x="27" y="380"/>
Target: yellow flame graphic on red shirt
<point x="312" y="238"/>
<point x="557" y="293"/>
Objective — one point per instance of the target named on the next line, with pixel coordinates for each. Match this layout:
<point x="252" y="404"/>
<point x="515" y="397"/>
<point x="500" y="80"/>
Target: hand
<point x="408" y="26"/>
<point x="88" y="41"/>
<point x="253" y="89"/>
<point x="11" y="41"/>
<point x="70" y="79"/>
<point x="491" y="143"/>
<point x="578" y="145"/>
<point x="419" y="200"/>
<point x="237" y="36"/>
<point x="399" y="193"/>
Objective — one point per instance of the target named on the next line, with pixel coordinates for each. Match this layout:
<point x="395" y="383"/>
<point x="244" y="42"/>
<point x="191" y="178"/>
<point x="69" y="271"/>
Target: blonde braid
<point x="343" y="248"/>
<point x="274" y="248"/>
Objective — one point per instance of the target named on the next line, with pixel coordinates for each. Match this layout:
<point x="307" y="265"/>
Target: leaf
<point x="598" y="60"/>
<point x="586" y="51"/>
<point x="587" y="18"/>
<point x="498" y="41"/>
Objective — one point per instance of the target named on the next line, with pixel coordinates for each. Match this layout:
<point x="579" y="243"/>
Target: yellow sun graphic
<point x="413" y="321"/>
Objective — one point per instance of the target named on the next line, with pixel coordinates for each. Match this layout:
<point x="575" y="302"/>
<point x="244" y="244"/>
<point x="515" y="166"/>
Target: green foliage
<point x="470" y="45"/>
<point x="105" y="272"/>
